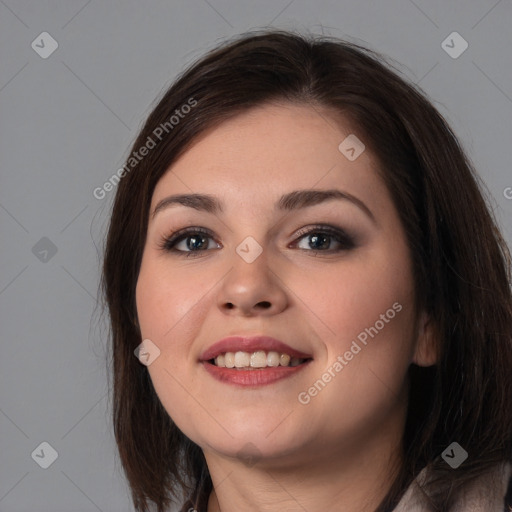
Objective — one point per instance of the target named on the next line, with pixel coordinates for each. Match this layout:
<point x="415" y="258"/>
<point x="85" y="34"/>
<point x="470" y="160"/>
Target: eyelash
<point x="168" y="243"/>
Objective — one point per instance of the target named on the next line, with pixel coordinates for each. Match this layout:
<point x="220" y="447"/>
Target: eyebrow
<point x="287" y="202"/>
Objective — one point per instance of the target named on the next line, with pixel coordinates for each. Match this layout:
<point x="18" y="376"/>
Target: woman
<point x="317" y="294"/>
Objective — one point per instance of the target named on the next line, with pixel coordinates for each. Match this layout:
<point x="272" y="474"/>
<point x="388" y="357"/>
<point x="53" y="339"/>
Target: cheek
<point x="369" y="309"/>
<point x="342" y="300"/>
<point x="364" y="312"/>
<point x="167" y="307"/>
<point x="166" y="298"/>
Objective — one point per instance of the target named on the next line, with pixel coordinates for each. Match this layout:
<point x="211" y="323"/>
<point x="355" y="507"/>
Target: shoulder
<point x="491" y="492"/>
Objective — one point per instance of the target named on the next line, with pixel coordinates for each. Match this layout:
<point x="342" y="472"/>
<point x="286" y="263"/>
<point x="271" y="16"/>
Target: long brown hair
<point x="461" y="262"/>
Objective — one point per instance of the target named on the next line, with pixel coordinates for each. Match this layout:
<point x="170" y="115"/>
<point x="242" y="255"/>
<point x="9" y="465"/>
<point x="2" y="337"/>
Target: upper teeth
<point x="258" y="359"/>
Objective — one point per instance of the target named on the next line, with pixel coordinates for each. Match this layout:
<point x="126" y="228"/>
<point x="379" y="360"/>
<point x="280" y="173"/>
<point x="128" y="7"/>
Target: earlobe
<point x="426" y="351"/>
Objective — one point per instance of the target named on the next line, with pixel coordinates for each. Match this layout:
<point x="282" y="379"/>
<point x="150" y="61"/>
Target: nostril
<point x="265" y="304"/>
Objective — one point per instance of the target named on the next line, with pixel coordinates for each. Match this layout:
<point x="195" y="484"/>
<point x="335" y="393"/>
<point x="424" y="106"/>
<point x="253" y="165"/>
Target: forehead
<point x="270" y="150"/>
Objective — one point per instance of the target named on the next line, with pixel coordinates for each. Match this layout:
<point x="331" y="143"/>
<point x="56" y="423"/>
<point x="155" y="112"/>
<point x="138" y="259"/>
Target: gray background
<point x="67" y="122"/>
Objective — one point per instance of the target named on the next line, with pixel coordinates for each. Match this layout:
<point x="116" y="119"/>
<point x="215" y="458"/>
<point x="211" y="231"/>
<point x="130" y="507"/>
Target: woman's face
<point x="330" y="277"/>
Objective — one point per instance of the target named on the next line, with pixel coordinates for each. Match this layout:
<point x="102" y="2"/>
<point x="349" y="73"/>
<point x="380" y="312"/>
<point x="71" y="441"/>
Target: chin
<point x="251" y="447"/>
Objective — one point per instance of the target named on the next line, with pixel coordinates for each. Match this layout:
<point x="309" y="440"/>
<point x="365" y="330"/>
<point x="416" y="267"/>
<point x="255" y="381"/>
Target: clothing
<point x="489" y="493"/>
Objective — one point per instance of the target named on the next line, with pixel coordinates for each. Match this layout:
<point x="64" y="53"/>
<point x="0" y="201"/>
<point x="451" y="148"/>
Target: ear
<point x="426" y="351"/>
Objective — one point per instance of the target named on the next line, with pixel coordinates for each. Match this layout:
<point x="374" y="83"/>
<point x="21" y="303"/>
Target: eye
<point x="192" y="241"/>
<point x="321" y="238"/>
<point x="188" y="241"/>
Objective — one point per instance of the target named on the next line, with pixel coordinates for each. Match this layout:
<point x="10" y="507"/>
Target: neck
<point x="346" y="478"/>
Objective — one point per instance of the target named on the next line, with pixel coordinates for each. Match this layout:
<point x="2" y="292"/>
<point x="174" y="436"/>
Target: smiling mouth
<point x="258" y="360"/>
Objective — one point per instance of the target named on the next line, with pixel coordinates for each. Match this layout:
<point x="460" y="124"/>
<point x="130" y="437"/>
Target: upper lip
<point x="250" y="344"/>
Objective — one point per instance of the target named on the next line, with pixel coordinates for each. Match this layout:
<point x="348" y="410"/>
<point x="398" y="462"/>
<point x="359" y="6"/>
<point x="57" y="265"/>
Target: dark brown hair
<point x="461" y="263"/>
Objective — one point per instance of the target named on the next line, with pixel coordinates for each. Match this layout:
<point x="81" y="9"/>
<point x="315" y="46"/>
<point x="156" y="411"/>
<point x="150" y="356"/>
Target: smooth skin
<point x="267" y="451"/>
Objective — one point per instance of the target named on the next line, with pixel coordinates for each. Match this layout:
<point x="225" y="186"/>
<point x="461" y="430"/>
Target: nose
<point x="252" y="289"/>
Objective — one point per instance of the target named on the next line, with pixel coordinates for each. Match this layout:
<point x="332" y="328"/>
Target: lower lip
<point x="252" y="378"/>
